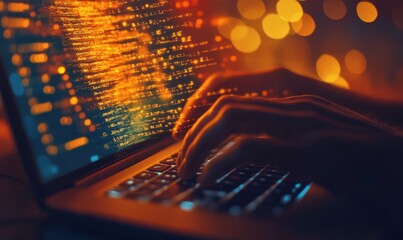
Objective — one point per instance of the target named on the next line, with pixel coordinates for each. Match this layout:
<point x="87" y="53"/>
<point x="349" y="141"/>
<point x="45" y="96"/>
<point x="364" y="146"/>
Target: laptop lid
<point x="88" y="82"/>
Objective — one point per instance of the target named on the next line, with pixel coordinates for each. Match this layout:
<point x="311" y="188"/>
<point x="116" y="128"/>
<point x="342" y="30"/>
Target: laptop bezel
<point x="25" y="150"/>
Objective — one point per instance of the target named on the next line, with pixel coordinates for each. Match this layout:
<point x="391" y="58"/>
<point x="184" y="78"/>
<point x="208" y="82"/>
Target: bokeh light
<point x="305" y="26"/>
<point x="251" y="9"/>
<point x="275" y="27"/>
<point x="328" y="68"/>
<point x="334" y="9"/>
<point x="367" y="11"/>
<point x="367" y="57"/>
<point x="341" y="82"/>
<point x="245" y="39"/>
<point x="289" y="10"/>
<point x="355" y="61"/>
<point x="227" y="24"/>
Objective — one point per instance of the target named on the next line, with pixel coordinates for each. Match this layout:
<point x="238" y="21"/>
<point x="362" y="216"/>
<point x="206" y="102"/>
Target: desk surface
<point x="21" y="218"/>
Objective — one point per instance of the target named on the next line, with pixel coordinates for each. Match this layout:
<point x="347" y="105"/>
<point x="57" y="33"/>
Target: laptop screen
<point x="92" y="78"/>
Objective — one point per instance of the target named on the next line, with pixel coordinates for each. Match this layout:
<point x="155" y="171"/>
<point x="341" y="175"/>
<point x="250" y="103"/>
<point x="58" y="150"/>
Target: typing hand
<point x="312" y="137"/>
<point x="272" y="84"/>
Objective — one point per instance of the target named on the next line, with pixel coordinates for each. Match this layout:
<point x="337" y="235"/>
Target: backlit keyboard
<point x="247" y="189"/>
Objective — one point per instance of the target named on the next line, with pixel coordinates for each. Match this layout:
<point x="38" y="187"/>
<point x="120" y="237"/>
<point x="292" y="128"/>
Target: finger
<point x="212" y="113"/>
<point x="198" y="104"/>
<point x="306" y="102"/>
<point x="245" y="119"/>
<point x="201" y="122"/>
<point x="235" y="83"/>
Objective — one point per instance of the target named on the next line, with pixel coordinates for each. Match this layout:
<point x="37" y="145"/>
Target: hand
<point x="271" y="84"/>
<point x="308" y="135"/>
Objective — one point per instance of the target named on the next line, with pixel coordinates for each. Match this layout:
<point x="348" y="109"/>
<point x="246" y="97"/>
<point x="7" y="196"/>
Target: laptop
<point x="92" y="90"/>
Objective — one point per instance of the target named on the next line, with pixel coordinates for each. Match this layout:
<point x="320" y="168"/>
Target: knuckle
<point x="282" y="73"/>
<point x="243" y="144"/>
<point x="214" y="80"/>
<point x="224" y="100"/>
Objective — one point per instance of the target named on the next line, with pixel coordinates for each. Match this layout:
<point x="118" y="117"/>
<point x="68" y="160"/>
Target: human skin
<point x="326" y="134"/>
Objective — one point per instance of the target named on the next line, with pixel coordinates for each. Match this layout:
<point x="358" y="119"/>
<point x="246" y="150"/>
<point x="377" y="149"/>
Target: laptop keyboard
<point x="248" y="189"/>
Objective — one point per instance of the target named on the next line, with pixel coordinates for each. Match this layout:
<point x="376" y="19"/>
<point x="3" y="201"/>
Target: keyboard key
<point x="250" y="169"/>
<point x="242" y="199"/>
<point x="116" y="192"/>
<point x="153" y="186"/>
<point x="145" y="175"/>
<point x="159" y="168"/>
<point x="244" y="173"/>
<point x="204" y="198"/>
<point x="267" y="180"/>
<point x="263" y="185"/>
<point x="169" y="176"/>
<point x="131" y="183"/>
<point x="276" y="171"/>
<point x="224" y="186"/>
<point x="169" y="161"/>
<point x="172" y="171"/>
<point x="141" y="194"/>
<point x="172" y="191"/>
<point x="271" y="175"/>
<point x="163" y="181"/>
<point x="280" y="198"/>
<point x="236" y="178"/>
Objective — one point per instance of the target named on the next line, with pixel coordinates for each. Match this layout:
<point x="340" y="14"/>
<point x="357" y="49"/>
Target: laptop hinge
<point x="123" y="164"/>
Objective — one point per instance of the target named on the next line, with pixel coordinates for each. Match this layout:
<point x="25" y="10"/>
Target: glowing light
<point x="251" y="9"/>
<point x="76" y="143"/>
<point x="48" y="90"/>
<point x="275" y="27"/>
<point x="45" y="78"/>
<point x="9" y="22"/>
<point x="16" y="59"/>
<point x="226" y="25"/>
<point x="18" y="7"/>
<point x="61" y="70"/>
<point x="41" y="108"/>
<point x="367" y="11"/>
<point x="328" y="68"/>
<point x="355" y="61"/>
<point x="42" y="127"/>
<point x="52" y="150"/>
<point x="38" y="58"/>
<point x="73" y="101"/>
<point x="7" y="33"/>
<point x="289" y="10"/>
<point x="87" y="122"/>
<point x="185" y="4"/>
<point x="334" y="9"/>
<point x="1" y="6"/>
<point x="342" y="83"/>
<point x="245" y="39"/>
<point x="65" y="121"/>
<point x="47" y="139"/>
<point x="305" y="26"/>
<point x="218" y="38"/>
